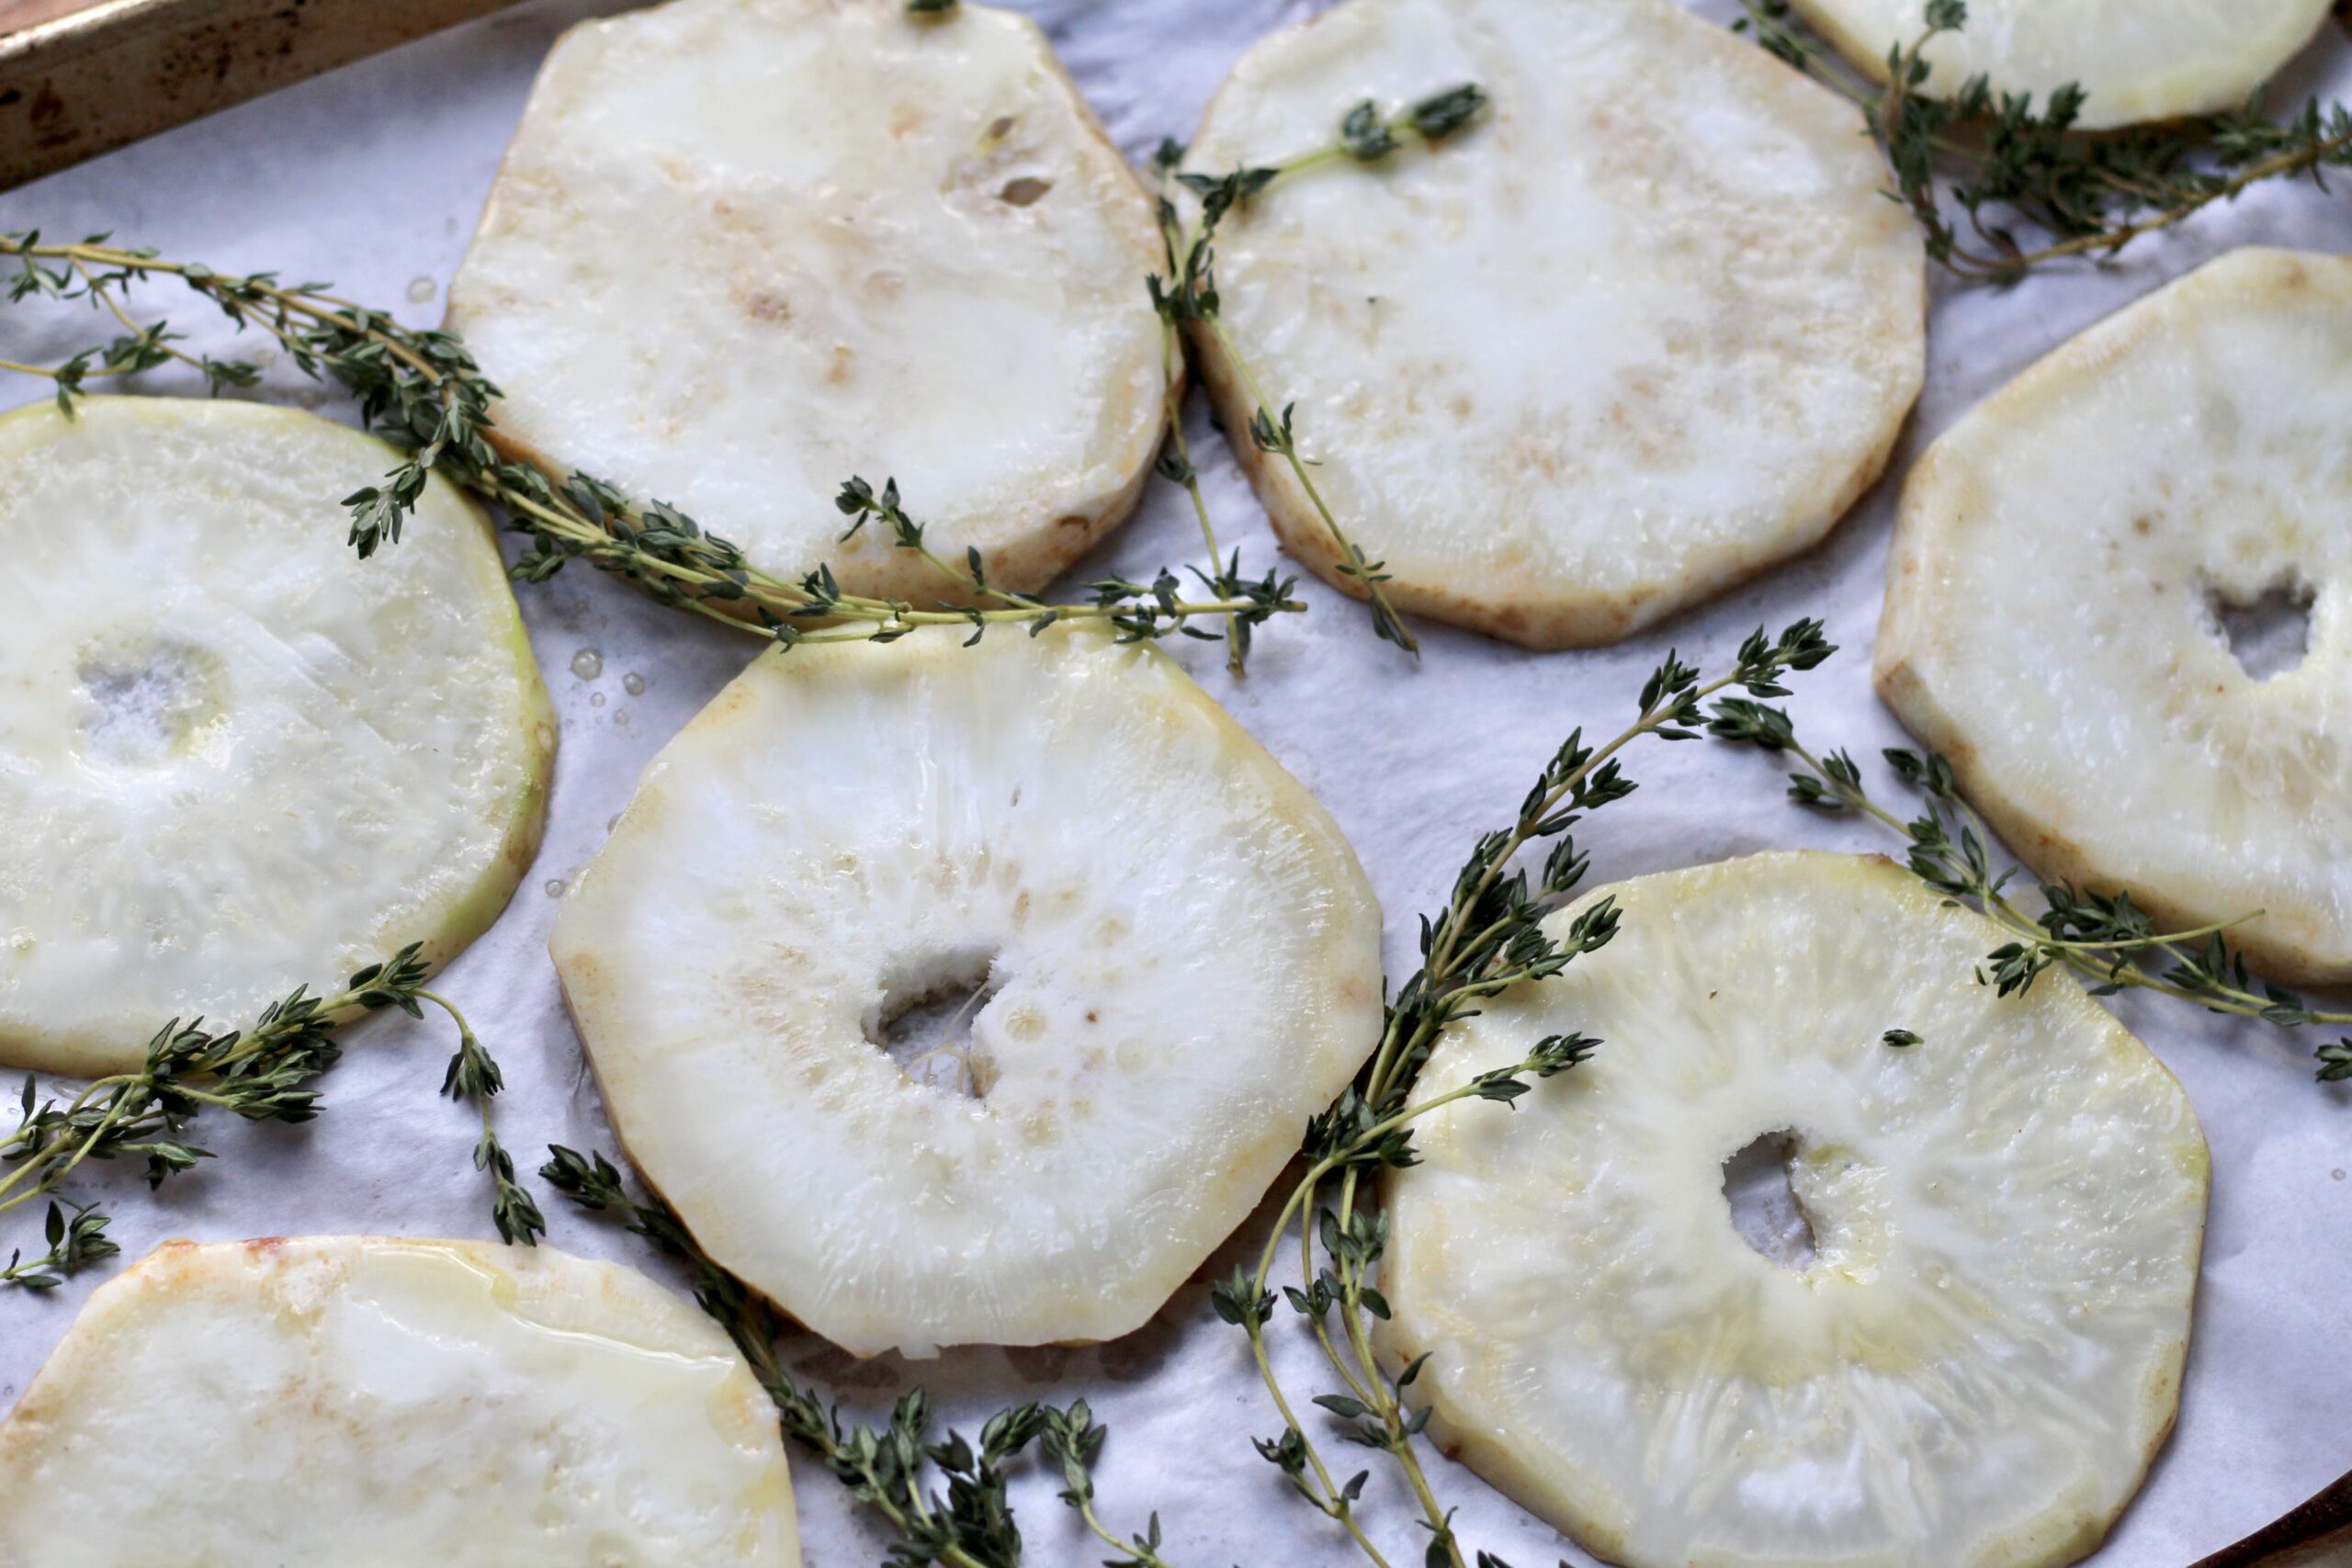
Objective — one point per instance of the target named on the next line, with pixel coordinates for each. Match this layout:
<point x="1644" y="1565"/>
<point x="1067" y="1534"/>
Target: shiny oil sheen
<point x="236" y="758"/>
<point x="382" y="1404"/>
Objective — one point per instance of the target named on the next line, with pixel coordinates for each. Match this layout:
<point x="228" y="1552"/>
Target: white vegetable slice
<point x="1177" y="954"/>
<point x="1986" y="1348"/>
<point x="2136" y="60"/>
<point x="234" y="758"/>
<point x="742" y="249"/>
<point x="1645" y="329"/>
<point x="379" y="1404"/>
<point x="2056" y="625"/>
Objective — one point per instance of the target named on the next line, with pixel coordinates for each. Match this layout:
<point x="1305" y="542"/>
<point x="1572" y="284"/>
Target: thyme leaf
<point x="78" y="1236"/>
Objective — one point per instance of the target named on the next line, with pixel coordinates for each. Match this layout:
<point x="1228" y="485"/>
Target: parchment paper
<point x="373" y="175"/>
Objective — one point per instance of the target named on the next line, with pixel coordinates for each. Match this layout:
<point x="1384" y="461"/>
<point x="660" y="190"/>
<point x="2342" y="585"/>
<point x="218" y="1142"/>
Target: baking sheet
<point x="81" y="77"/>
<point x="372" y="176"/>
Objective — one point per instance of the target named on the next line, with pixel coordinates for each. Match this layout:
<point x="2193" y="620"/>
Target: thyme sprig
<point x="1188" y="301"/>
<point x="898" y="1469"/>
<point x="422" y="390"/>
<point x="77" y="1238"/>
<point x="265" y="1073"/>
<point x="1175" y="463"/>
<point x="2103" y="938"/>
<point x="1489" y="937"/>
<point x="1999" y="188"/>
<point x="473" y="1078"/>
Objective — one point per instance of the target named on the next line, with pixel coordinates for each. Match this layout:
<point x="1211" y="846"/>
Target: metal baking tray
<point x="78" y="77"/>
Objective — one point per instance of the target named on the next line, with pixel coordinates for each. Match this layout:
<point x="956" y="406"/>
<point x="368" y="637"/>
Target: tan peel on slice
<point x="374" y="1402"/>
<point x="742" y="249"/>
<point x="1645" y="329"/>
<point x="236" y="758"/>
<point x="2065" y="559"/>
<point x="1167" y="957"/>
<point x="2136" y="60"/>
<point x="1986" y="1346"/>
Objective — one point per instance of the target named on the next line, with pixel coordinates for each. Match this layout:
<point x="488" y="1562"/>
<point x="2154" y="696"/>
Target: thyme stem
<point x="1176" y="464"/>
<point x="1277" y="436"/>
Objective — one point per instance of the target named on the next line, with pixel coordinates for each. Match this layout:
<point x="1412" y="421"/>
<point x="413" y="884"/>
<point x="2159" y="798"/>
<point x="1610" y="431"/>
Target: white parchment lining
<point x="372" y="176"/>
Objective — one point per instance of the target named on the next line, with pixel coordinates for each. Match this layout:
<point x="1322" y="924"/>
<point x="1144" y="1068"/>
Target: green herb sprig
<point x="1175" y="463"/>
<point x="2105" y="939"/>
<point x="473" y="1078"/>
<point x="77" y="1238"/>
<point x="1999" y="188"/>
<point x="1489" y="937"/>
<point x="898" y="1469"/>
<point x="1189" y="304"/>
<point x="422" y="390"/>
<point x="265" y="1073"/>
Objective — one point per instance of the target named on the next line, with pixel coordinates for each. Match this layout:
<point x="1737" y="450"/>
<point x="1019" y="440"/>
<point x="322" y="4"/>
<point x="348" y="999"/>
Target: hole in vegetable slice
<point x="1764" y="1207"/>
<point x="149" y="700"/>
<point x="924" y="1022"/>
<point x="2267" y="635"/>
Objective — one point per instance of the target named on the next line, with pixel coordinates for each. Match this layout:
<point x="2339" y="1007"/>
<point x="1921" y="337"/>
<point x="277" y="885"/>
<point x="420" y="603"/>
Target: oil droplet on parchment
<point x="2336" y="1174"/>
<point x="587" y="664"/>
<point x="555" y="887"/>
<point x="420" y="289"/>
<point x="633" y="684"/>
<point x="596" y="699"/>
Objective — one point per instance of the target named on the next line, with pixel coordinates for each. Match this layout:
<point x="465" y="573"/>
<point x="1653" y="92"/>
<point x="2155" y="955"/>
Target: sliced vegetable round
<point x="1985" y="1347"/>
<point x="742" y="249"/>
<point x="1164" y="952"/>
<point x="2140" y="60"/>
<point x="236" y="758"/>
<point x="2061" y="628"/>
<point x="1645" y="328"/>
<point x="366" y="1401"/>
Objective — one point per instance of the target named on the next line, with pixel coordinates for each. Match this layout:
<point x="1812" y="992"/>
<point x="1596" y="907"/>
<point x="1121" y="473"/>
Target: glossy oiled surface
<point x="384" y="1403"/>
<point x="2137" y="60"/>
<point x="742" y="249"/>
<point x="2052" y="615"/>
<point x="1181" y="961"/>
<point x="236" y="758"/>
<point x="1645" y="330"/>
<point x="1987" y="1345"/>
